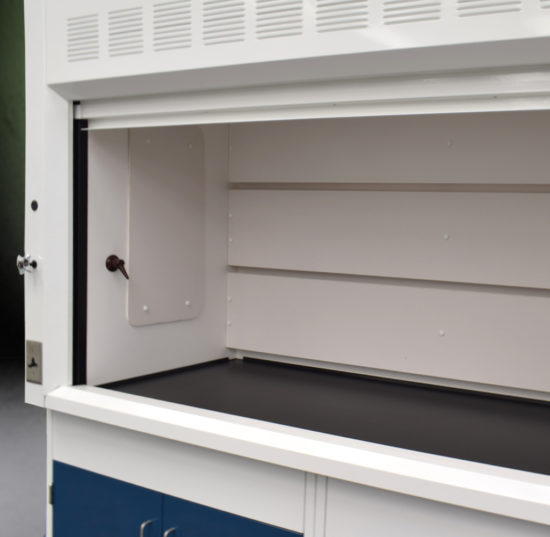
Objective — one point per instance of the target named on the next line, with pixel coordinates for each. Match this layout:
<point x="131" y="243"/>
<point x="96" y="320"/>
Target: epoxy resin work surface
<point x="495" y="430"/>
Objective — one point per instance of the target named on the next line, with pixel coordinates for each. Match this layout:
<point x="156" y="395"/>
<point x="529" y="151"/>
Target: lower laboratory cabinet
<point x="358" y="511"/>
<point x="87" y="504"/>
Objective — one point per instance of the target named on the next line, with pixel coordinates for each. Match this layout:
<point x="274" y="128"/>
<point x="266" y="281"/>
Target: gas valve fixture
<point x="114" y="263"/>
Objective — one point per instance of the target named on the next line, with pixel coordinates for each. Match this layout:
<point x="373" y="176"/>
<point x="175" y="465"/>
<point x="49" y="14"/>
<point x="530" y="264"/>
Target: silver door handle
<point x="143" y="526"/>
<point x="168" y="532"/>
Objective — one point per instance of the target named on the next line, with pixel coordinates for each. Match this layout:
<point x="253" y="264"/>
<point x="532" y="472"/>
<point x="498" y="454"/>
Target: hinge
<point x="50" y="494"/>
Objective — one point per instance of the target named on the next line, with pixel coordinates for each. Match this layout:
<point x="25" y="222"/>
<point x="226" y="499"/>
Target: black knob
<point x="114" y="263"/>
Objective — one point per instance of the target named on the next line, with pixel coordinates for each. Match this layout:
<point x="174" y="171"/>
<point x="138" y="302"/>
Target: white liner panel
<point x="469" y="334"/>
<point x="482" y="238"/>
<point x="446" y="148"/>
<point x="117" y="350"/>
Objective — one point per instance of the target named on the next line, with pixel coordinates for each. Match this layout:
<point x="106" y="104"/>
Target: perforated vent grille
<point x="405" y="11"/>
<point x="153" y="28"/>
<point x="125" y="31"/>
<point x="83" y="38"/>
<point x="172" y="25"/>
<point x="473" y="8"/>
<point x="545" y="4"/>
<point x="278" y="18"/>
<point x="337" y="15"/>
<point x="223" y="21"/>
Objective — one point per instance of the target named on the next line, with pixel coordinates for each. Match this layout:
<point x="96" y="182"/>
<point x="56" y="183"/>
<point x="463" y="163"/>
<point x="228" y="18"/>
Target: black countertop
<point x="501" y="431"/>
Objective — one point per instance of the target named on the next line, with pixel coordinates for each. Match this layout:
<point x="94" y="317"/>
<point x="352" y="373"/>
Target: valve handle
<point x="114" y="263"/>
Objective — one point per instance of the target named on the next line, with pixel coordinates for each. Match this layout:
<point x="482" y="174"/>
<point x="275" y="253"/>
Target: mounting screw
<point x="34" y="205"/>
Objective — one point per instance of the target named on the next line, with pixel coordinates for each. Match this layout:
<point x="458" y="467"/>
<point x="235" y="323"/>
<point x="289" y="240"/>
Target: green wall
<point x="12" y="175"/>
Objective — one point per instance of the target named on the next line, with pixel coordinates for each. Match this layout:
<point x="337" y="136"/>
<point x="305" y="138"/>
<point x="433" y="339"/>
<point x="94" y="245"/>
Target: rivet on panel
<point x="188" y="303"/>
<point x="229" y="323"/>
<point x="442" y="333"/>
<point x="446" y="236"/>
<point x="148" y="140"/>
<point x="145" y="308"/>
<point x="229" y="299"/>
<point x="189" y="146"/>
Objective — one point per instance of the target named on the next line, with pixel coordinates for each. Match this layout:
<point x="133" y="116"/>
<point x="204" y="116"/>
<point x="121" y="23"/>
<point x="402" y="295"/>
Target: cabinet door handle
<point x="168" y="532"/>
<point x="143" y="526"/>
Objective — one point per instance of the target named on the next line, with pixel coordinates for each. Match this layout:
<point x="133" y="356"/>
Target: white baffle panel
<point x="166" y="234"/>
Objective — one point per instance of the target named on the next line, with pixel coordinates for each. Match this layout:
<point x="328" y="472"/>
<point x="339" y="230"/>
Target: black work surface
<point x="514" y="433"/>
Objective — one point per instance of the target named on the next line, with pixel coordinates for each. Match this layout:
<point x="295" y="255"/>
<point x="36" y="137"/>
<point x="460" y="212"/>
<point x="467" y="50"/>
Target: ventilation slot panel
<point x="473" y="8"/>
<point x="172" y="25"/>
<point x="125" y="31"/>
<point x="83" y="38"/>
<point x="278" y="18"/>
<point x="338" y="15"/>
<point x="223" y="21"/>
<point x="407" y="11"/>
<point x="545" y="4"/>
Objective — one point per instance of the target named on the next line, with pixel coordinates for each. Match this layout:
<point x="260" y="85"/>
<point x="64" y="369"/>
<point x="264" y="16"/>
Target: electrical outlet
<point x="33" y="362"/>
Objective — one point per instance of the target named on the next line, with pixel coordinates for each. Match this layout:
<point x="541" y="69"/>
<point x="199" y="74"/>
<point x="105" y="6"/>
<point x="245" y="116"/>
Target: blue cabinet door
<point x="195" y="520"/>
<point x="92" y="505"/>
